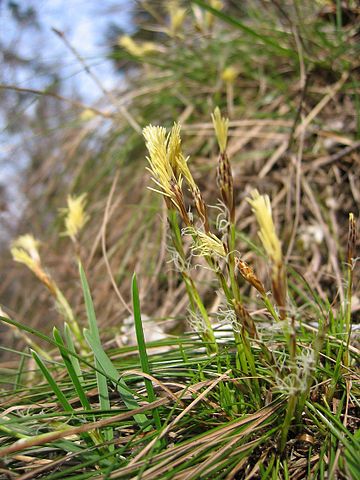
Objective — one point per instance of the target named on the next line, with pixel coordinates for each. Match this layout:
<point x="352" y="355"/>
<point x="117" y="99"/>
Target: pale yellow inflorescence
<point x="75" y="215"/>
<point x="25" y="250"/>
<point x="206" y="244"/>
<point x="221" y="126"/>
<point x="230" y="74"/>
<point x="177" y="17"/>
<point x="176" y="158"/>
<point x="262" y="209"/>
<point x="155" y="138"/>
<point x="167" y="163"/>
<point x="137" y="49"/>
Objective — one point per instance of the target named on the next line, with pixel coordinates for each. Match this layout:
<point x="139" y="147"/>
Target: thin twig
<point x="103" y="244"/>
<point x="97" y="81"/>
<point x="74" y="103"/>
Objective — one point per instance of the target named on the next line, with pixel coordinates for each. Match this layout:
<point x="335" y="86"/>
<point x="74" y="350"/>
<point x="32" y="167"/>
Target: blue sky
<point x="84" y="23"/>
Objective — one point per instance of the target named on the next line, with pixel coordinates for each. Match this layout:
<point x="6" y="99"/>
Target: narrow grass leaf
<point x="101" y="380"/>
<point x="241" y="26"/>
<point x="144" y="361"/>
<point x="90" y="311"/>
<point x="105" y="364"/>
<point x="71" y="371"/>
<point x="70" y="345"/>
<point x="49" y="378"/>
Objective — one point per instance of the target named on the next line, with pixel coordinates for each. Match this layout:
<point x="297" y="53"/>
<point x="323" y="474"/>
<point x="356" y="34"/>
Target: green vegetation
<point x="264" y="384"/>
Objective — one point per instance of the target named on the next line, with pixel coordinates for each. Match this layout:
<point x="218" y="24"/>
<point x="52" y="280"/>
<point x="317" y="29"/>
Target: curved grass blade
<point x="49" y="378"/>
<point x="70" y="345"/>
<point x="92" y="336"/>
<point x="241" y="26"/>
<point x="105" y="364"/>
<point x="71" y="371"/>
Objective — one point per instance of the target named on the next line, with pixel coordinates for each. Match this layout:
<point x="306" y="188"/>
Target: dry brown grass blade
<point x="180" y="416"/>
<point x="156" y="381"/>
<point x="176" y="455"/>
<point x="332" y="248"/>
<point x="222" y="451"/>
<point x="103" y="243"/>
<point x="332" y="90"/>
<point x="24" y="444"/>
<point x="74" y="103"/>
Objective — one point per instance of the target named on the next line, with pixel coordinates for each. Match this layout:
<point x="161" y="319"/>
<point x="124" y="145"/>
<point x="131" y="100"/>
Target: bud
<point x="229" y="75"/>
<point x="221" y="125"/>
<point x="351" y="239"/>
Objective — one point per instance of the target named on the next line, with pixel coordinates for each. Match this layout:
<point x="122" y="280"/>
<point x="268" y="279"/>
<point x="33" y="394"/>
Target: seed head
<point x="225" y="184"/>
<point x="201" y="208"/>
<point x="248" y="274"/>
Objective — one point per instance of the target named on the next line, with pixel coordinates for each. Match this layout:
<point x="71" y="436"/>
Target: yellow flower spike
<point x="167" y="163"/>
<point x="87" y="115"/>
<point x="177" y="16"/>
<point x="221" y="125"/>
<point x="26" y="246"/>
<point x="209" y="17"/>
<point x="176" y="158"/>
<point x="262" y="209"/>
<point x="137" y="49"/>
<point x="75" y="215"/>
<point x="173" y="147"/>
<point x="155" y="139"/>
<point x="25" y="250"/>
<point x="230" y="74"/>
<point x="206" y="244"/>
<point x="21" y="256"/>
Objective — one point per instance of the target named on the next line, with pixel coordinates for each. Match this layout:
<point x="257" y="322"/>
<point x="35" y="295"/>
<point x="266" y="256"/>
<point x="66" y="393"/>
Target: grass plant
<point x="265" y="383"/>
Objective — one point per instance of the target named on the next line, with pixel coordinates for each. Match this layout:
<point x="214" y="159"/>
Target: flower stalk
<point x="25" y="250"/>
<point x="225" y="182"/>
<point x="169" y="169"/>
<point x="350" y="263"/>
